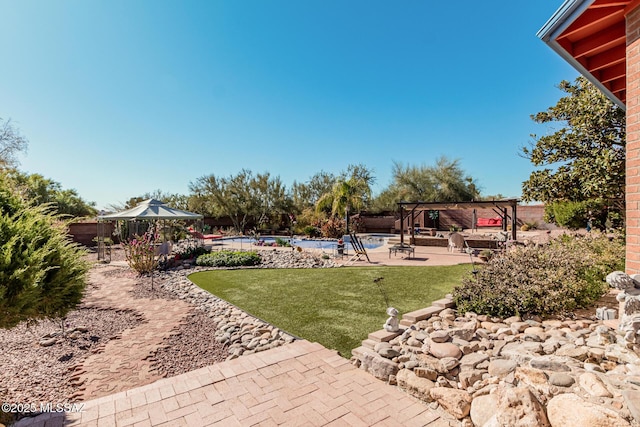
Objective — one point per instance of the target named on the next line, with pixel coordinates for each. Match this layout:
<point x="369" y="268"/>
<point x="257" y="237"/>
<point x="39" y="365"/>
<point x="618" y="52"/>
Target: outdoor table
<point x="409" y="250"/>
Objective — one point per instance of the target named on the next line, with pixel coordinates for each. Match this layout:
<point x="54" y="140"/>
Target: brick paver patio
<point x="123" y="363"/>
<point x="300" y="384"/>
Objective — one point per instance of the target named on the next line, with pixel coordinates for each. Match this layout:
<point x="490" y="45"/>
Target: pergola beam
<point x="490" y="204"/>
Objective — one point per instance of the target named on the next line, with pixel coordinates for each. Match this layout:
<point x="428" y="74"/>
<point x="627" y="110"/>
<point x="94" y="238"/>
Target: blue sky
<point x="118" y="98"/>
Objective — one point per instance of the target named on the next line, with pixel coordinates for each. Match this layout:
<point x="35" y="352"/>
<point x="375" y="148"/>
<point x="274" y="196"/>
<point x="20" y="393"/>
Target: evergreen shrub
<point x="42" y="273"/>
<point x="229" y="259"/>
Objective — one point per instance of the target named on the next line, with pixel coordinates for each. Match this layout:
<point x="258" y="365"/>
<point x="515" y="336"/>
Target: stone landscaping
<point x="474" y="369"/>
<point x="239" y="331"/>
<point x="490" y="372"/>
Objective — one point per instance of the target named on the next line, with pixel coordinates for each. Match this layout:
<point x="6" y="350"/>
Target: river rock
<point x="439" y="336"/>
<point x="561" y="379"/>
<point x="441" y="350"/>
<point x="501" y="367"/>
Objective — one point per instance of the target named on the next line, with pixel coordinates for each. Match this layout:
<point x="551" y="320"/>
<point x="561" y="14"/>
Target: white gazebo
<point x="148" y="210"/>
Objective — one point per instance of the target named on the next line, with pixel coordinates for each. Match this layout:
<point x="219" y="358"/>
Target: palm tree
<point x="347" y="195"/>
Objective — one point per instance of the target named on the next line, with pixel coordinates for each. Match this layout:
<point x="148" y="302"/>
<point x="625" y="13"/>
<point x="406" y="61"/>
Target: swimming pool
<point x="370" y="241"/>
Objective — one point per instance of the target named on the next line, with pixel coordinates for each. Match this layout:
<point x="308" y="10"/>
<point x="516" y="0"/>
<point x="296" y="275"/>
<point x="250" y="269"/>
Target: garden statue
<point x="629" y="299"/>
<point x="392" y="324"/>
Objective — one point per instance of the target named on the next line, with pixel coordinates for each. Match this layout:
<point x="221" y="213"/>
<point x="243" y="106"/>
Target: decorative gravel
<point x="34" y="373"/>
<point x="191" y="348"/>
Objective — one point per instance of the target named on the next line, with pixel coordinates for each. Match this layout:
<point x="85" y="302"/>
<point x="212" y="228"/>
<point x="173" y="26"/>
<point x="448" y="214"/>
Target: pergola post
<point x="514" y="232"/>
<point x="401" y="224"/>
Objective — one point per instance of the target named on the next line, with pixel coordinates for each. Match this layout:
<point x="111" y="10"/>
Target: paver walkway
<point x="299" y="384"/>
<point x="123" y="364"/>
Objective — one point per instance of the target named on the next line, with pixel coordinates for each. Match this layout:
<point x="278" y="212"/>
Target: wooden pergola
<point x="499" y="206"/>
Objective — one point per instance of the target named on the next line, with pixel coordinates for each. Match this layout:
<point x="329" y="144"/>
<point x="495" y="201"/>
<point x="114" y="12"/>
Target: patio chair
<point x="358" y="250"/>
<point x="456" y="241"/>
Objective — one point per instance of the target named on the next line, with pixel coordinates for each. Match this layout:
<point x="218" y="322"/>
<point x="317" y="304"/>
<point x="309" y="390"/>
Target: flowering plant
<point x="140" y="252"/>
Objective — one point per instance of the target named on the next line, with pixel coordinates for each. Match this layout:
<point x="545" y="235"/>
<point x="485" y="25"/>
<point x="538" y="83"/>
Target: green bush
<point x="282" y="242"/>
<point x="574" y="215"/>
<point x="42" y="273"/>
<point x="311" y="231"/>
<point x="190" y="251"/>
<point x="229" y="259"/>
<point x="567" y="274"/>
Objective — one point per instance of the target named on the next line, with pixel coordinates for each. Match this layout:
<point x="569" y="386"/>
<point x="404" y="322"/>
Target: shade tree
<point x="445" y="181"/>
<point x="582" y="162"/>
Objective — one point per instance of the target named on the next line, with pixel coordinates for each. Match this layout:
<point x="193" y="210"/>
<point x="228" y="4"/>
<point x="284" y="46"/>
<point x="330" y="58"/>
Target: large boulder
<point x="415" y="385"/>
<point x="377" y="365"/>
<point x="483" y="408"/>
<point x="518" y="407"/>
<point x="456" y="402"/>
<point x="570" y="410"/>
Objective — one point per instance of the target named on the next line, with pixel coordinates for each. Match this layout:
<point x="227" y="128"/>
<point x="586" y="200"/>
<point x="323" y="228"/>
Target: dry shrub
<point x="557" y="278"/>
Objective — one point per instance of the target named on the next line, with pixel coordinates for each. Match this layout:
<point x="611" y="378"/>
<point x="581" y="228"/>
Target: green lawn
<point x="336" y="307"/>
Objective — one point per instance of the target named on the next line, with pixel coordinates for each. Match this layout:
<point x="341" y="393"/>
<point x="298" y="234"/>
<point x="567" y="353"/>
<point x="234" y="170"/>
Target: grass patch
<point x="336" y="307"/>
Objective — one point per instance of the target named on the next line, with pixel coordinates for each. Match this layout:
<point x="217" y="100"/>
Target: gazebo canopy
<point x="150" y="209"/>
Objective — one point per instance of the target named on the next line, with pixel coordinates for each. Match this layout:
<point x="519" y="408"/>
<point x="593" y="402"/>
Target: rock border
<point x="488" y="371"/>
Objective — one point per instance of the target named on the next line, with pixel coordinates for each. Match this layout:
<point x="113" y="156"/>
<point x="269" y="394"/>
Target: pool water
<point x="369" y="241"/>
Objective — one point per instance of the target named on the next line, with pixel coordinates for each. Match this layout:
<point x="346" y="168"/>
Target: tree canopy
<point x="445" y="181"/>
<point x="38" y="190"/>
<point x="11" y="143"/>
<point x="351" y="192"/>
<point x="584" y="159"/>
<point x="241" y="197"/>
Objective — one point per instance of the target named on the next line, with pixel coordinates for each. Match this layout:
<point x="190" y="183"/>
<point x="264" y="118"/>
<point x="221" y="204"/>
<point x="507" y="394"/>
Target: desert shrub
<point x="140" y="253"/>
<point x="308" y="216"/>
<point x="229" y="259"/>
<point x="557" y="278"/>
<point x="191" y="250"/>
<point x="42" y="273"/>
<point x="333" y="228"/>
<point x="311" y="231"/>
